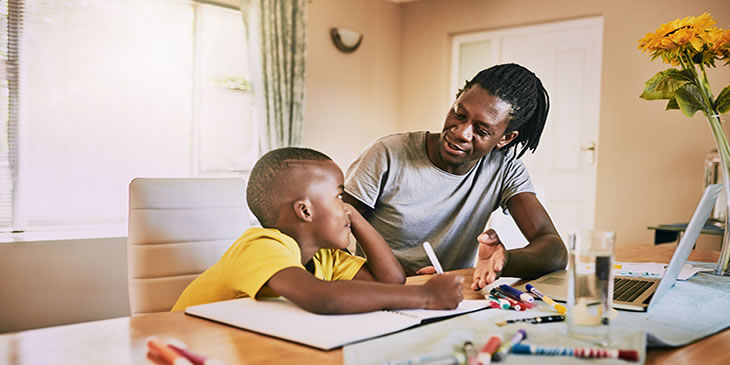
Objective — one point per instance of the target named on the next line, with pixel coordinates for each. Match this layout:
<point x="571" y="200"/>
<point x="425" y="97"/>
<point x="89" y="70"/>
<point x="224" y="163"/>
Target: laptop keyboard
<point x="627" y="290"/>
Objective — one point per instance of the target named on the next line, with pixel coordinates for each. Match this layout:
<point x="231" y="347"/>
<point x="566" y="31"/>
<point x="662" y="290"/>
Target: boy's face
<point x="331" y="220"/>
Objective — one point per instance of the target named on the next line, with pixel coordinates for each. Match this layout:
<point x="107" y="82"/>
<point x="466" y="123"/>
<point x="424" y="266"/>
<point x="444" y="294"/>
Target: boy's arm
<point x="381" y="265"/>
<point x="353" y="296"/>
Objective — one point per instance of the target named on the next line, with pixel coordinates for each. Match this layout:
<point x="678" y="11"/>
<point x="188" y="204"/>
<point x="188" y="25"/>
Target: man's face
<point x="331" y="218"/>
<point x="474" y="125"/>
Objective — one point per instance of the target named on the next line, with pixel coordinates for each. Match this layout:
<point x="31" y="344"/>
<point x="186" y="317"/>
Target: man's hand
<point x="492" y="258"/>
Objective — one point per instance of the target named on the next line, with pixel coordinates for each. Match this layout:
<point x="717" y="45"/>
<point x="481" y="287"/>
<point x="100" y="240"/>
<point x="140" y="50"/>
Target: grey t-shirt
<point x="414" y="201"/>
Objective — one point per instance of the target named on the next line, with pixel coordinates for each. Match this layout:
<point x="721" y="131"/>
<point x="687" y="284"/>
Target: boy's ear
<point x="507" y="138"/>
<point x="303" y="210"/>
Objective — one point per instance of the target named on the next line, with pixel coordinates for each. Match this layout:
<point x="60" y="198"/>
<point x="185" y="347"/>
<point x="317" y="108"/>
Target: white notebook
<point x="284" y="319"/>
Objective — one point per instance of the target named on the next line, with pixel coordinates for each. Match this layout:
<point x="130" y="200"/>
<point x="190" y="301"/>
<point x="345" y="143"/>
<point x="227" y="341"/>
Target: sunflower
<point x="670" y="39"/>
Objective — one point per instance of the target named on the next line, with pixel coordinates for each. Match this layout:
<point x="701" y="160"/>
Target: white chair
<point x="177" y="229"/>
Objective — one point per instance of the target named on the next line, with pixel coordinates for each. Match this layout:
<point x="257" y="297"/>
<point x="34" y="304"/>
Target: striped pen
<point x="581" y="352"/>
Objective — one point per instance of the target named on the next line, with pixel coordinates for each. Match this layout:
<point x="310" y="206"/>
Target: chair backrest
<point x="177" y="229"/>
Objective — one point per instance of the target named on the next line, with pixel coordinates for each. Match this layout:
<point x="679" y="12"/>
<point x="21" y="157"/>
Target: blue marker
<point x="523" y="296"/>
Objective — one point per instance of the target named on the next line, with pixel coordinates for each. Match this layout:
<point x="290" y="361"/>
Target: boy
<point x="296" y="194"/>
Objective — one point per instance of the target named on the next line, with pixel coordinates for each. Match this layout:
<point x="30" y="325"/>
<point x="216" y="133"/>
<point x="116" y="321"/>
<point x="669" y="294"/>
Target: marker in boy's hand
<point x="444" y="291"/>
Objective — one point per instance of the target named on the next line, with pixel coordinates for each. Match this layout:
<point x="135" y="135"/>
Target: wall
<point x="650" y="160"/>
<point x="50" y="283"/>
<point x="351" y="99"/>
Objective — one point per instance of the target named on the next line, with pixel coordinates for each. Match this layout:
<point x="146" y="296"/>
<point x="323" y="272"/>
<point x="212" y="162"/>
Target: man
<point x="442" y="188"/>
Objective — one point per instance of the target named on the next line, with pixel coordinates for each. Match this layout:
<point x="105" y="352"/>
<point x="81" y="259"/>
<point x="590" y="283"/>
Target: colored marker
<point x="505" y="348"/>
<point x="166" y="353"/>
<point x="494" y="303"/>
<point x="502" y="302"/>
<point x="534" y="320"/>
<point x="523" y="296"/>
<point x="515" y="304"/>
<point x="432" y="256"/>
<point x="582" y="352"/>
<point x="485" y="356"/>
<point x="501" y="293"/>
<point x="471" y="353"/>
<point x="193" y="357"/>
<point x="558" y="307"/>
<point x="497" y="292"/>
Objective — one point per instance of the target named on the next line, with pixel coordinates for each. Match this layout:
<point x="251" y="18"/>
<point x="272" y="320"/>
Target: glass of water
<point x="590" y="285"/>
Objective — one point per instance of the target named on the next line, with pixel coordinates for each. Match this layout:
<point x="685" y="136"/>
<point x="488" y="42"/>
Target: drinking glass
<point x="590" y="288"/>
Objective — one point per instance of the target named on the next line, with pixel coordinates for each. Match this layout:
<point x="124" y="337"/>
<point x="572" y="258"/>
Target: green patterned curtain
<point x="276" y="31"/>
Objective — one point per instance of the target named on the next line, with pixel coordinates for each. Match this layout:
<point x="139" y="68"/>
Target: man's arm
<point x="544" y="253"/>
<point x="381" y="265"/>
<point x="355" y="296"/>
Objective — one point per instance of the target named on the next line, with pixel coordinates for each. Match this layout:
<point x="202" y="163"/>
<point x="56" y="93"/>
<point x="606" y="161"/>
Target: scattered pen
<point x="586" y="353"/>
<point x="534" y="320"/>
<point x="503" y="304"/>
<point x="471" y="353"/>
<point x="432" y="256"/>
<point x="485" y="356"/>
<point x="501" y="293"/>
<point x="514" y="304"/>
<point x="523" y="296"/>
<point x="558" y="307"/>
<point x="196" y="359"/>
<point x="166" y="353"/>
<point x="507" y="346"/>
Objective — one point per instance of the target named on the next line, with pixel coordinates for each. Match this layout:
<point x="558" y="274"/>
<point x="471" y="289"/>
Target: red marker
<point x="193" y="357"/>
<point x="485" y="357"/>
<point x="494" y="304"/>
<point x="166" y="353"/>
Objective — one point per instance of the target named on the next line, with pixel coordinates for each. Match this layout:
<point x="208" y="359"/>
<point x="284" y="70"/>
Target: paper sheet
<point x="652" y="270"/>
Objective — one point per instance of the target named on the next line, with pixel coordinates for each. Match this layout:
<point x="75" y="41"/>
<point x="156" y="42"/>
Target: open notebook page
<point x="283" y="319"/>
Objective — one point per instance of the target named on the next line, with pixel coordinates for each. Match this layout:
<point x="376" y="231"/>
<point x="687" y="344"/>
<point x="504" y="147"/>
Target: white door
<point x="566" y="56"/>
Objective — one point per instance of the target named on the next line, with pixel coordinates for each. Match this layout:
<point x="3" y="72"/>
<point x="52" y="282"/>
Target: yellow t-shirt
<point x="253" y="259"/>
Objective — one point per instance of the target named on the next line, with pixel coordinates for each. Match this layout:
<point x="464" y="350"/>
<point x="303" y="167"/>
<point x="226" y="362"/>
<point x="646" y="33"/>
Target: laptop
<point x="640" y="294"/>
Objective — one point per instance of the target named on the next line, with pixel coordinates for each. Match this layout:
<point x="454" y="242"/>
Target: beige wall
<point x="650" y="160"/>
<point x="351" y="99"/>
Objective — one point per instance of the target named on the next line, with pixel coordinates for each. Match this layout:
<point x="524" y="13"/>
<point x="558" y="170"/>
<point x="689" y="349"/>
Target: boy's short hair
<point x="268" y="176"/>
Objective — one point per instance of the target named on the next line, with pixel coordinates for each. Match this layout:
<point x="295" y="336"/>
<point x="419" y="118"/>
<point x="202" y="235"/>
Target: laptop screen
<point x="687" y="242"/>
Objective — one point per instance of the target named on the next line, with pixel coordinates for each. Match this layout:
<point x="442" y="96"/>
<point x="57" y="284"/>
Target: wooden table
<point x="122" y="340"/>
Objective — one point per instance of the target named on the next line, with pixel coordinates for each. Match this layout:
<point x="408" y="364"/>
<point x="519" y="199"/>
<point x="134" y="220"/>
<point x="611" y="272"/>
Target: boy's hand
<point x="444" y="291"/>
<point x="492" y="258"/>
<point x="426" y="270"/>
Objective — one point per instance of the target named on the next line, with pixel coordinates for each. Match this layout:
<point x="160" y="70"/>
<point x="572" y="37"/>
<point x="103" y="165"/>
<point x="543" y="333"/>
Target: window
<point x="106" y="91"/>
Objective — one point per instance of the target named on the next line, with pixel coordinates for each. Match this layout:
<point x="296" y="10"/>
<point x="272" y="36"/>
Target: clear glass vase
<point x="719" y="129"/>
